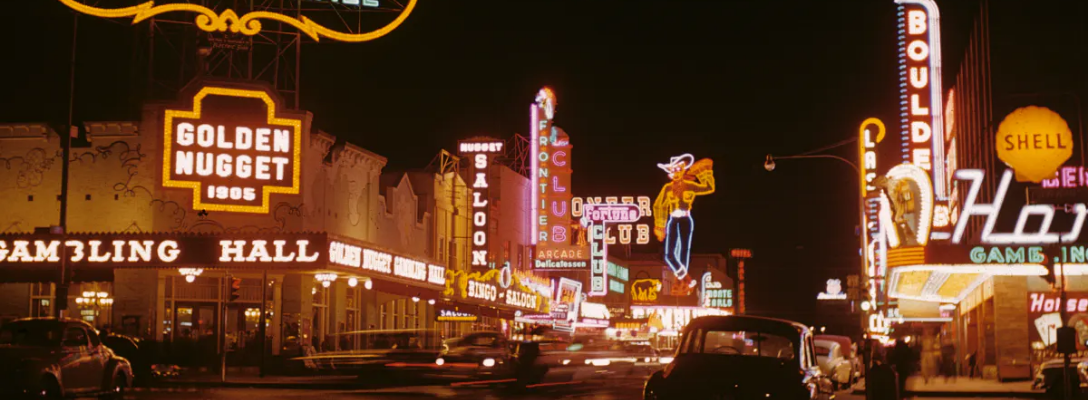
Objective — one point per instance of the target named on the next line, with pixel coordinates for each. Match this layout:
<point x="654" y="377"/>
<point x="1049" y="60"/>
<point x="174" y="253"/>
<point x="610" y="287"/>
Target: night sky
<point x="637" y="82"/>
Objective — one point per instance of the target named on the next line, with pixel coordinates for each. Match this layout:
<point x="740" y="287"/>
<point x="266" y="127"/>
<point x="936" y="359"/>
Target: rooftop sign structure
<point x="248" y="24"/>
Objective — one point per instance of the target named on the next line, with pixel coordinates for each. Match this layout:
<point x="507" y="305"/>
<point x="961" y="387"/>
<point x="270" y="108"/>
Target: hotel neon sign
<point x="248" y="24"/>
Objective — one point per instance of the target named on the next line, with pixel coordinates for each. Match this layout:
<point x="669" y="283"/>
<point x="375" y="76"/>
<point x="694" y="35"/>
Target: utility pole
<point x="262" y="330"/>
<point x="60" y="301"/>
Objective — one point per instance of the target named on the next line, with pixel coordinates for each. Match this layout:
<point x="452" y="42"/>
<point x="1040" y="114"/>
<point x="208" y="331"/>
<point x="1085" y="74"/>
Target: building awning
<point x="948" y="273"/>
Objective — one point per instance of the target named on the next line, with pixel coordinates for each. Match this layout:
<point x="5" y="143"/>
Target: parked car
<point x="57" y="358"/>
<point x="478" y="354"/>
<point x="129" y="348"/>
<point x="850" y="353"/>
<point x="829" y="355"/>
<point x="742" y="357"/>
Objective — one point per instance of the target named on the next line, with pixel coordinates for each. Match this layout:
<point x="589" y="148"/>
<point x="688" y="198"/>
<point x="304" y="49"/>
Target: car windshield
<point x="742" y="343"/>
<point x="823" y="351"/>
<point x="31" y="333"/>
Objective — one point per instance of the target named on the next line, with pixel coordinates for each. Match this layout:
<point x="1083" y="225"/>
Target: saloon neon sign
<point x="480" y="153"/>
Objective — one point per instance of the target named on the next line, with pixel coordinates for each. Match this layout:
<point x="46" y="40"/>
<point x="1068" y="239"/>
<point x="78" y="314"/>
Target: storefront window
<point x="41" y="299"/>
<point x="381" y="322"/>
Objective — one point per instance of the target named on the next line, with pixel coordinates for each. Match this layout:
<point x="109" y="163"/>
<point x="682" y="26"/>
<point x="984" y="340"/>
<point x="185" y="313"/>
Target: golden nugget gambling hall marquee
<point x="29" y="257"/>
<point x="233" y="148"/>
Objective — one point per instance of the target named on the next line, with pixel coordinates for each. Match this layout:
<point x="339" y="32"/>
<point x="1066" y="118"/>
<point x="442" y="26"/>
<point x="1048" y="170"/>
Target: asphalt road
<point x="630" y="389"/>
<point x="612" y="389"/>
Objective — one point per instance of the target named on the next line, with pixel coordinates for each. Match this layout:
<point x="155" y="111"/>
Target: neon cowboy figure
<point x="688" y="179"/>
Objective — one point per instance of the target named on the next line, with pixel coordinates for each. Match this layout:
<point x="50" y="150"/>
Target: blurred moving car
<point x="57" y="358"/>
<point x="380" y="354"/>
<point x="829" y="356"/>
<point x="742" y="357"/>
<point x="849" y="352"/>
<point x="478" y="354"/>
<point x="1049" y="376"/>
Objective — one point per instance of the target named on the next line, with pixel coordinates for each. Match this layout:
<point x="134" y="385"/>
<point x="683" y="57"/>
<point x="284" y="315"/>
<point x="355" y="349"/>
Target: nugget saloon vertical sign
<point x="233" y="149"/>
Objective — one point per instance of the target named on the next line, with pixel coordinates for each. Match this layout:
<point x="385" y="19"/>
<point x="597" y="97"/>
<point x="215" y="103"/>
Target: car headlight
<point x="647" y="359"/>
<point x="664" y="360"/>
<point x="439" y="361"/>
<point x="488" y="362"/>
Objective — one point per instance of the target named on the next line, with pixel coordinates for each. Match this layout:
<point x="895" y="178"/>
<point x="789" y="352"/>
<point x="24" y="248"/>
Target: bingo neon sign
<point x="234" y="155"/>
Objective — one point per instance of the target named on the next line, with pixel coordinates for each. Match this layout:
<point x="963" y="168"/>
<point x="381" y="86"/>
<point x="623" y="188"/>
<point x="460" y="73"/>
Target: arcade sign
<point x="233" y="149"/>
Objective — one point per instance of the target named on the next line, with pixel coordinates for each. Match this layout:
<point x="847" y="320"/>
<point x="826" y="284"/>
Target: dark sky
<point x="637" y="82"/>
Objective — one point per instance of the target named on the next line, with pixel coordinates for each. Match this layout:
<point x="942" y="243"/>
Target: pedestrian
<point x="929" y="365"/>
<point x="903" y="359"/>
<point x="948" y="362"/>
<point x="972" y="360"/>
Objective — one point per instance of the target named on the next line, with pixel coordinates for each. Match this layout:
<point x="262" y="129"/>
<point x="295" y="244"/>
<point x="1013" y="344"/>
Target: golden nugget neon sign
<point x="247" y="24"/>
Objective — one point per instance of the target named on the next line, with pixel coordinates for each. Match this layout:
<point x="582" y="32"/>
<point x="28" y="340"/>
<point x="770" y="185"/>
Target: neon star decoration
<point x="673" y="224"/>
<point x="248" y="24"/>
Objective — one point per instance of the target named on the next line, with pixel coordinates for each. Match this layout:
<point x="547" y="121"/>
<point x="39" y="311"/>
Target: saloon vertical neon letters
<point x="480" y="152"/>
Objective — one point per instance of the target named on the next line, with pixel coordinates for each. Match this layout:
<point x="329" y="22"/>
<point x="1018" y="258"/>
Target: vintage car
<point x="741" y="357"/>
<point x="849" y="352"/>
<point x="55" y="358"/>
<point x="829" y="356"/>
<point x="478" y="354"/>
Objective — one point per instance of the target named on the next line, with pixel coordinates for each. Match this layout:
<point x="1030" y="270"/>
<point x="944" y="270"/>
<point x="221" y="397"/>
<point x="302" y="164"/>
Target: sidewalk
<point x="250" y="378"/>
<point x="963" y="387"/>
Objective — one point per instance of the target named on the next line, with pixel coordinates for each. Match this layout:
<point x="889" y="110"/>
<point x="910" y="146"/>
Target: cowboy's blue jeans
<point x="678" y="244"/>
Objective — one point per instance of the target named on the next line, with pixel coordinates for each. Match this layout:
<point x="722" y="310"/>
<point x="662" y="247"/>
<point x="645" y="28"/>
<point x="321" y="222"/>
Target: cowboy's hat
<point x="688" y="159"/>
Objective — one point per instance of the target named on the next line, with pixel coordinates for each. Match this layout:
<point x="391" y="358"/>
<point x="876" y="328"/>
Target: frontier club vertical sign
<point x="552" y="211"/>
<point x="480" y="152"/>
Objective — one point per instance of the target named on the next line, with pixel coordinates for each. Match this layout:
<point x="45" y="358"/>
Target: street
<point x="622" y="390"/>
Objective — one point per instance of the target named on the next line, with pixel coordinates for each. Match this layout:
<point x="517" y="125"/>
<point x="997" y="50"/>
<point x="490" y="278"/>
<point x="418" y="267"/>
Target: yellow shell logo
<point x="1034" y="141"/>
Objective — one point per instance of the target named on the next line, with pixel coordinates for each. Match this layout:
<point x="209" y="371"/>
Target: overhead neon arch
<point x="248" y="24"/>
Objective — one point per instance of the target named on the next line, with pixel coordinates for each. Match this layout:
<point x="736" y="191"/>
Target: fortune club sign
<point x="232" y="149"/>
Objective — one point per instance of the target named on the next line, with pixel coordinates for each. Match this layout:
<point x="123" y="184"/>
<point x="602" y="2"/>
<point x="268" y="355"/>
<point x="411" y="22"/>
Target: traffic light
<point x="235" y="288"/>
<point x="1051" y="272"/>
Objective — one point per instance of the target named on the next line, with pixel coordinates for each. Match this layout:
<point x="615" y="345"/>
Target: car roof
<point x="747" y="322"/>
<point x="826" y="343"/>
<point x="56" y="320"/>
